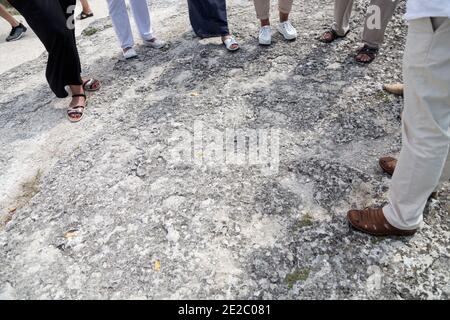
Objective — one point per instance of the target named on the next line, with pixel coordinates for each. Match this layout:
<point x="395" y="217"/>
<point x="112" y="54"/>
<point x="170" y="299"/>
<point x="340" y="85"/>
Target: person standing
<point x="380" y="11"/>
<point x="209" y="19"/>
<point x="86" y="11"/>
<point x="284" y="26"/>
<point x="424" y="160"/>
<point x="52" y="21"/>
<point x="17" y="29"/>
<point x="121" y="21"/>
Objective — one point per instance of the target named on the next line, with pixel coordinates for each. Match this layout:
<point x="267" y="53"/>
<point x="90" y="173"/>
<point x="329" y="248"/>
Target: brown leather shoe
<point x="388" y="164"/>
<point x="372" y="221"/>
<point x="395" y="88"/>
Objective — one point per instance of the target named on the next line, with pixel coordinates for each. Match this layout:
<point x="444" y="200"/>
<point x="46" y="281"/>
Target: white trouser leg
<point x="141" y="16"/>
<point x="121" y="22"/>
<point x="426" y="123"/>
<point x="446" y="173"/>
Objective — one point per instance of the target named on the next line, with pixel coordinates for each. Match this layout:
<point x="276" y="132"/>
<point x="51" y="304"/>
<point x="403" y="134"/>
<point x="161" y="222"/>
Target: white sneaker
<point x="287" y="30"/>
<point x="130" y="53"/>
<point x="265" y="36"/>
<point x="155" y="43"/>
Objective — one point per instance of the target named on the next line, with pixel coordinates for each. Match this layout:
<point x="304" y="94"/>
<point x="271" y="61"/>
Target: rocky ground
<point x="100" y="209"/>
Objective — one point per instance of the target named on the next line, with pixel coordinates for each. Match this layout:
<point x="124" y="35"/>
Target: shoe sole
<point x="379" y="234"/>
<point x="288" y="38"/>
<point x="263" y="43"/>
<point x="154" y="47"/>
<point x="157" y="48"/>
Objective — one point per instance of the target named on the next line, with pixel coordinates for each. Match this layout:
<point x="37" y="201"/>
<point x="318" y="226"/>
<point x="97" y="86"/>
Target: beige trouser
<point x="424" y="161"/>
<point x="373" y="34"/>
<point x="263" y="8"/>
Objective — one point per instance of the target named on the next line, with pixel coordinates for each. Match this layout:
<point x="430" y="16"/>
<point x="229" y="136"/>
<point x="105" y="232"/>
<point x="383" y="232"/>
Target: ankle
<point x="265" y="23"/>
<point x="284" y="17"/>
<point x="77" y="89"/>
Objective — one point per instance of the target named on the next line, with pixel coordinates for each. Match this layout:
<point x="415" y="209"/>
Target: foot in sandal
<point x="331" y="35"/>
<point x="230" y="43"/>
<point x="84" y="15"/>
<point x="91" y="85"/>
<point x="366" y="54"/>
<point x="77" y="106"/>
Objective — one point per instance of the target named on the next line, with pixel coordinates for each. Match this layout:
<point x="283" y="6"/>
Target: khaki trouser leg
<point x="426" y="122"/>
<point x="285" y="6"/>
<point x="379" y="13"/>
<point x="263" y="8"/>
<point x="342" y="13"/>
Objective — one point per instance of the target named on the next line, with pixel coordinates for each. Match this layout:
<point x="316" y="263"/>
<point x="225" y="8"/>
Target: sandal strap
<point x="368" y="50"/>
<point x="230" y="41"/>
<point x="88" y="84"/>
<point x="79" y="95"/>
<point x="75" y="109"/>
<point x="334" y="35"/>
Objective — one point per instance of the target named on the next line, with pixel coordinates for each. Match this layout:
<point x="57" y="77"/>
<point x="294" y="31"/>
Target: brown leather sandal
<point x="370" y="52"/>
<point x="333" y="35"/>
<point x="372" y="221"/>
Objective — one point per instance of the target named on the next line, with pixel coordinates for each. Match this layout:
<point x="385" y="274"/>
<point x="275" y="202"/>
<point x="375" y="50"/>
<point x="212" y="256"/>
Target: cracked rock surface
<point x="99" y="209"/>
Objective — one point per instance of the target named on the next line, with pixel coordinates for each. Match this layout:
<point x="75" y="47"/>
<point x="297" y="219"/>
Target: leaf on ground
<point x="157" y="265"/>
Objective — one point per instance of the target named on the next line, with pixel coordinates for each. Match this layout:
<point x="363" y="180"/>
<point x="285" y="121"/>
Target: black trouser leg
<point x="208" y="17"/>
<point x="50" y="20"/>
